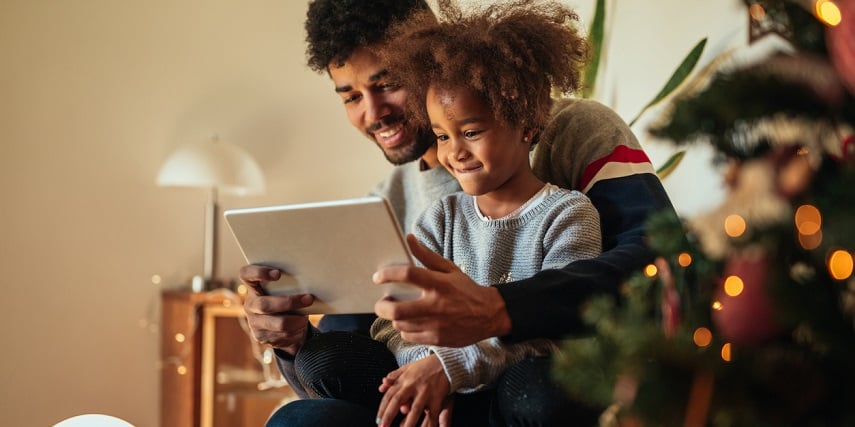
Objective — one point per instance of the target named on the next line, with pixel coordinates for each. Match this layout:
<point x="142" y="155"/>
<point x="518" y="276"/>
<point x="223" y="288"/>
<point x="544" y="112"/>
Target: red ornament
<point x="848" y="149"/>
<point x="841" y="44"/>
<point x="746" y="315"/>
<point x="671" y="318"/>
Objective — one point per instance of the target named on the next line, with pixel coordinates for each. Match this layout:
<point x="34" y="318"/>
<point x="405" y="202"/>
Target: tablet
<point x="328" y="249"/>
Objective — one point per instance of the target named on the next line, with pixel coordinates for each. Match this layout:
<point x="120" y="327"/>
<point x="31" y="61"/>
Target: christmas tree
<point x="747" y="318"/>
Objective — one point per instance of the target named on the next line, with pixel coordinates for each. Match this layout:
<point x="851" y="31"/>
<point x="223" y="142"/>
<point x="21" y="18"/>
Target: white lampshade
<point x="213" y="164"/>
<point x="93" y="420"/>
<point x="218" y="167"/>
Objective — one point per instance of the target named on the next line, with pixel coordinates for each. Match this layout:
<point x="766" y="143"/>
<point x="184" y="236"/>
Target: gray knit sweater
<point x="562" y="228"/>
<point x="410" y="190"/>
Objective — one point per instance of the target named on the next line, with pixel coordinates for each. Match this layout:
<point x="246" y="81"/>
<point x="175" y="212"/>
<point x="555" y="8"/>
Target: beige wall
<point x="94" y="94"/>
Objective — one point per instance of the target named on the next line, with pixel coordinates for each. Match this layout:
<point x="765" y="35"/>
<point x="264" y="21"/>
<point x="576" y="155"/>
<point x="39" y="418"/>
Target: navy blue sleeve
<point x="548" y="305"/>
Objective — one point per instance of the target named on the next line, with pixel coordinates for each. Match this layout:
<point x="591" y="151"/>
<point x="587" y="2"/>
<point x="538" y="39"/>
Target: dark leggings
<point x="342" y="371"/>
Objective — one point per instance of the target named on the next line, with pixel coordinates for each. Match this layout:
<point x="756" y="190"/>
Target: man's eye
<point x="388" y="87"/>
<point x="351" y="98"/>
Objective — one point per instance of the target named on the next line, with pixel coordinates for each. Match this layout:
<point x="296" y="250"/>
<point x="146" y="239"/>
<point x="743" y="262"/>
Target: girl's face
<point x="483" y="154"/>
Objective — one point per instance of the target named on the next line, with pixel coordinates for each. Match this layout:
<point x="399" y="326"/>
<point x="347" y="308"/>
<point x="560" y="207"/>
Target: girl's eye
<point x="442" y="138"/>
<point x="471" y="133"/>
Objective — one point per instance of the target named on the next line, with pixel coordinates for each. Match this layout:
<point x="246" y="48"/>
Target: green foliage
<point x="725" y="109"/>
<point x="678" y="77"/>
<point x="784" y="381"/>
<point x="596" y="36"/>
<point x="670" y="164"/>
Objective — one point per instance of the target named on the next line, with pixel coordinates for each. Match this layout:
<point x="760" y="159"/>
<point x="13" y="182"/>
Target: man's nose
<point x="376" y="108"/>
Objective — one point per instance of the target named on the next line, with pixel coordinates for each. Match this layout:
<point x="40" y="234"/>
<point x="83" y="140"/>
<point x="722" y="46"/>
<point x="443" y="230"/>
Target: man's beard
<point x="399" y="156"/>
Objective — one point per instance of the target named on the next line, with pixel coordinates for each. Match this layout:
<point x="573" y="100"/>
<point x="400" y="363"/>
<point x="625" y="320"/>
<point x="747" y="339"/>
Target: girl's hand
<point x="417" y="388"/>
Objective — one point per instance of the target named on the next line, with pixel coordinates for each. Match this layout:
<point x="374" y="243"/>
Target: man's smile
<point x="391" y="136"/>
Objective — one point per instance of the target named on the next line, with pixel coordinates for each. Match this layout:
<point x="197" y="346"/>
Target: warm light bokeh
<point x="810" y="242"/>
<point x="650" y="270"/>
<point x="725" y="352"/>
<point x="840" y="264"/>
<point x="757" y="12"/>
<point x="733" y="286"/>
<point x="808" y="220"/>
<point x="702" y="337"/>
<point x="828" y="12"/>
<point x="734" y="225"/>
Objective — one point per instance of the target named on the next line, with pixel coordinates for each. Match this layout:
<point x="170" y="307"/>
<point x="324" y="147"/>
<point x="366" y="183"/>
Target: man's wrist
<point x="499" y="319"/>
<point x="290" y="352"/>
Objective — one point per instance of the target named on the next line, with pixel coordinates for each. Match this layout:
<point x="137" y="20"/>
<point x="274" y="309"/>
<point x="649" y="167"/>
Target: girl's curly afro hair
<point x="512" y="54"/>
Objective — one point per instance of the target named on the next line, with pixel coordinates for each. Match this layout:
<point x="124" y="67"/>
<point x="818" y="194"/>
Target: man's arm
<point x="454" y="311"/>
<point x="548" y="305"/>
<point x="587" y="146"/>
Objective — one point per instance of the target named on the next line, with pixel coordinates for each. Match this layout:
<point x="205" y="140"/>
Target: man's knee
<point x="526" y="395"/>
<point x="343" y="365"/>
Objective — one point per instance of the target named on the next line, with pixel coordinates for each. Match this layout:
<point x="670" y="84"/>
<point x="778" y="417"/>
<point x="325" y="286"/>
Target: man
<point x="608" y="165"/>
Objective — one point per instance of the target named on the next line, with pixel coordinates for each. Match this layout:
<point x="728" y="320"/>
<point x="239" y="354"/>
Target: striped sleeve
<point x="621" y="162"/>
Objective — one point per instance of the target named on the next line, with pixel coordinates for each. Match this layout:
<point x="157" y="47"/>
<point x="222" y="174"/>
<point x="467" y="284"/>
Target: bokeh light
<point x="702" y="337"/>
<point x="808" y="220"/>
<point x="684" y="259"/>
<point x="810" y="242"/>
<point x="717" y="305"/>
<point x="733" y="286"/>
<point x="725" y="352"/>
<point x="734" y="225"/>
<point x="757" y="12"/>
<point x="828" y="12"/>
<point x="650" y="270"/>
<point x="840" y="265"/>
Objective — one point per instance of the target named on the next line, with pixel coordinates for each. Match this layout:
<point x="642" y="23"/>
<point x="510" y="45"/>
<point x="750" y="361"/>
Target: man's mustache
<point x="386" y="121"/>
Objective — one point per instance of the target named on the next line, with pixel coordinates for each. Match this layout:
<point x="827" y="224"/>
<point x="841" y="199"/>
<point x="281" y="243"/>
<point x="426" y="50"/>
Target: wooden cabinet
<point x="213" y="374"/>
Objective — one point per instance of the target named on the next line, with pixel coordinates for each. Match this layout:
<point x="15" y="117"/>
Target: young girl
<point x="484" y="82"/>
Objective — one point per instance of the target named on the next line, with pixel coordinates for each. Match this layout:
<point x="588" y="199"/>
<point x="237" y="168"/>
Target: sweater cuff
<point x="454" y="364"/>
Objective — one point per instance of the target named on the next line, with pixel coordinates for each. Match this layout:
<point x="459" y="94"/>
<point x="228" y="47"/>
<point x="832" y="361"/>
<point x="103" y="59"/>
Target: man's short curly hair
<point x="335" y="28"/>
<point x="512" y="54"/>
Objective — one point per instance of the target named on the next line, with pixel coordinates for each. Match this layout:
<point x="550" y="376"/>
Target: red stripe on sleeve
<point x="621" y="154"/>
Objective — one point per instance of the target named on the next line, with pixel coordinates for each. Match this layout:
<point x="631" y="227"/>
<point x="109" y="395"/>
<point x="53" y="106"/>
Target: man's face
<point x="375" y="106"/>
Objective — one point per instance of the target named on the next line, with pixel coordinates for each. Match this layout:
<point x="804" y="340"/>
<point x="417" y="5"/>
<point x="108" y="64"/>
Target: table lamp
<point x="219" y="167"/>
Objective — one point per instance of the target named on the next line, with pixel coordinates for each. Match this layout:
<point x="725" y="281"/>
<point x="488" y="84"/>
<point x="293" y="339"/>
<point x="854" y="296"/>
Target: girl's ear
<point x="528" y="135"/>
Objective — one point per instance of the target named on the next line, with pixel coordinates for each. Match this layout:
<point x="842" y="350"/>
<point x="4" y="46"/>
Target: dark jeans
<point x="343" y="371"/>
